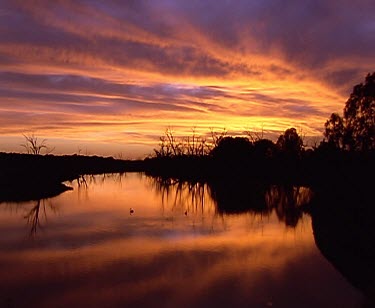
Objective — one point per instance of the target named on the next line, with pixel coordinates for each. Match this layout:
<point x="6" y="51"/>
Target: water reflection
<point x="34" y="212"/>
<point x="85" y="180"/>
<point x="183" y="196"/>
<point x="342" y="219"/>
<point x="185" y="245"/>
<point x="33" y="216"/>
<point x="289" y="202"/>
<point x="223" y="197"/>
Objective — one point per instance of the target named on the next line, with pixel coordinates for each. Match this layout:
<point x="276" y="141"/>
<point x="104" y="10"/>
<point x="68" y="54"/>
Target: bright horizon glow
<point x="109" y="79"/>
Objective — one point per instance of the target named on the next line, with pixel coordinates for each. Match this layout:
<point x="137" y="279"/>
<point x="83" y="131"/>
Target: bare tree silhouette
<point x="34" y="146"/>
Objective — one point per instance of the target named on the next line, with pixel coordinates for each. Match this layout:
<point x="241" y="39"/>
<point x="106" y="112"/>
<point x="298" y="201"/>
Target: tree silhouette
<point x="359" y="115"/>
<point x="264" y="148"/>
<point x="34" y="146"/>
<point x="238" y="148"/>
<point x="356" y="130"/>
<point x="334" y="130"/>
<point x="290" y="142"/>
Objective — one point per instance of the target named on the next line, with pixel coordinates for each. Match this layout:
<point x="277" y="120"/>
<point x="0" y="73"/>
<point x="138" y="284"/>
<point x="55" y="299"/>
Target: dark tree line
<point x="290" y="144"/>
<point x="343" y="156"/>
<point x="354" y="131"/>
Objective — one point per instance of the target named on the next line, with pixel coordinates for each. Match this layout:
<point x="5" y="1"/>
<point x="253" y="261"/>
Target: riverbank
<point x="31" y="177"/>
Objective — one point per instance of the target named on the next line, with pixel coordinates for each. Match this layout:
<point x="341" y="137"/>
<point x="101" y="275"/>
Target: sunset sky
<point x="108" y="77"/>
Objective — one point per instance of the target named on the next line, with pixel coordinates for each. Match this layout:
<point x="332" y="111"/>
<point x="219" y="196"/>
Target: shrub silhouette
<point x="238" y="148"/>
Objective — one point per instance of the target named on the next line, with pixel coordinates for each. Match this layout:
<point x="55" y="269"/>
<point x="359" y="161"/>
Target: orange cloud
<point x="99" y="72"/>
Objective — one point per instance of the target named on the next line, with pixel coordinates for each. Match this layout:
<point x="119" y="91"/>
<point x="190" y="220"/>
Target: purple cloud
<point x="287" y="60"/>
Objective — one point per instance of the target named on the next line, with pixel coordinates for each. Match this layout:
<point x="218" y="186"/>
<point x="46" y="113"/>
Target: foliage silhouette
<point x="264" y="149"/>
<point x="229" y="148"/>
<point x="233" y="156"/>
<point x="290" y="143"/>
<point x="334" y="131"/>
<point x="356" y="130"/>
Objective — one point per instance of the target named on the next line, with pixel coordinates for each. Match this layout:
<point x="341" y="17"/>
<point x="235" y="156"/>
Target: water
<point x="178" y="248"/>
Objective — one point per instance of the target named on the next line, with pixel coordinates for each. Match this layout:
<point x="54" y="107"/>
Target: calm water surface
<point x="84" y="248"/>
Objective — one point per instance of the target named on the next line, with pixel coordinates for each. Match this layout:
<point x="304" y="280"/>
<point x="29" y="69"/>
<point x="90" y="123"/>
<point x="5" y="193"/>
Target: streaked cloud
<point x="72" y="69"/>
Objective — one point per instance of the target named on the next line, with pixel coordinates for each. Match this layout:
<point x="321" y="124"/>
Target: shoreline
<point x="30" y="177"/>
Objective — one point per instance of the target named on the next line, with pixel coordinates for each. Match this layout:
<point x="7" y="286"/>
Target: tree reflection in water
<point x="85" y="180"/>
<point x="288" y="201"/>
<point x="188" y="197"/>
<point x="35" y="214"/>
<point x="343" y="218"/>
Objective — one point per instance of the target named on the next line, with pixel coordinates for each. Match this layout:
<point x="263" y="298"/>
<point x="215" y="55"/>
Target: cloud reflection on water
<point x="93" y="252"/>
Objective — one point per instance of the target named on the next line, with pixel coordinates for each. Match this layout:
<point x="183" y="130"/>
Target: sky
<point x="109" y="77"/>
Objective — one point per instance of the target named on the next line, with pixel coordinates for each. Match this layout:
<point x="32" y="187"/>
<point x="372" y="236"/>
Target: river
<point x="128" y="240"/>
